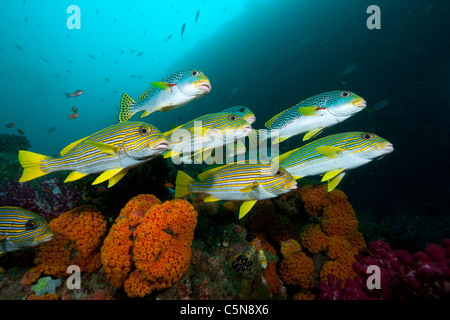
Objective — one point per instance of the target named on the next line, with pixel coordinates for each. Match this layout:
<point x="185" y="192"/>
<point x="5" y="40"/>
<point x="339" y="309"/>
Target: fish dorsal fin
<point x="245" y="208"/>
<point x="210" y="199"/>
<point x="308" y="111"/>
<point x="269" y="123"/>
<point x="329" y="151"/>
<point x="333" y="182"/>
<point x="162" y="85"/>
<point x="279" y="139"/>
<point x="283" y="156"/>
<point x="205" y="175"/>
<point x="311" y="134"/>
<point x="249" y="188"/>
<point x="104" y="147"/>
<point x="331" y="174"/>
<point x="115" y="178"/>
<point x="71" y="146"/>
<point x="106" y="175"/>
<point x="143" y="96"/>
<point x="75" y="175"/>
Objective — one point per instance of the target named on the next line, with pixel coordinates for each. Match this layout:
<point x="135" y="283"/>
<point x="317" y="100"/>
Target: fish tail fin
<point x="126" y="104"/>
<point x="31" y="163"/>
<point x="182" y="184"/>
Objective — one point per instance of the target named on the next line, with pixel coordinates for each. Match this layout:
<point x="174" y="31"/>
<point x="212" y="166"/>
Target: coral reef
<point x="12" y="143"/>
<point x="78" y="235"/>
<point x="49" y="197"/>
<point x="422" y="275"/>
<point x="156" y="250"/>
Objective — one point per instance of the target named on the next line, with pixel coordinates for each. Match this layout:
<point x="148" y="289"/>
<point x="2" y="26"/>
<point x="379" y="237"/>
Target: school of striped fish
<point x="114" y="150"/>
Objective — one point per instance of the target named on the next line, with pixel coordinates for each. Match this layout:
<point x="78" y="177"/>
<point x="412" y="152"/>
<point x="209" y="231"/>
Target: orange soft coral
<point x="149" y="247"/>
<point x="296" y="268"/>
<point x="313" y="239"/>
<point x="77" y="238"/>
<point x="314" y="197"/>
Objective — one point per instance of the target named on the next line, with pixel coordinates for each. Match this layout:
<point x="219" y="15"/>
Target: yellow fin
<point x="71" y="146"/>
<point x="106" y="175"/>
<point x="331" y="174"/>
<point x="2" y="237"/>
<point x="279" y="139"/>
<point x="126" y="103"/>
<point x="245" y="208"/>
<point x="171" y="153"/>
<point x="311" y="134"/>
<point x="283" y="156"/>
<point x="75" y="175"/>
<point x="182" y="184"/>
<point x="145" y="113"/>
<point x="145" y="94"/>
<point x="269" y="123"/>
<point x="249" y="188"/>
<point x="205" y="175"/>
<point x="210" y="199"/>
<point x="195" y="130"/>
<point x="333" y="182"/>
<point x="308" y="111"/>
<point x="106" y="148"/>
<point x="115" y="178"/>
<point x="162" y="85"/>
<point x="328" y="151"/>
<point x="31" y="163"/>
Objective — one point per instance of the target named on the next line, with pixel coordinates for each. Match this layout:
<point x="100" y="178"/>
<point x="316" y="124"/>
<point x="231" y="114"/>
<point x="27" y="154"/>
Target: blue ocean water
<point x="266" y="55"/>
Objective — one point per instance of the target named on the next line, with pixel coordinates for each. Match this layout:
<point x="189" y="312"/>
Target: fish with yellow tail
<point x="205" y="133"/>
<point x="21" y="228"/>
<point x="315" y="114"/>
<point x="334" y="155"/>
<point x="238" y="181"/>
<point x="111" y="152"/>
<point x="172" y="92"/>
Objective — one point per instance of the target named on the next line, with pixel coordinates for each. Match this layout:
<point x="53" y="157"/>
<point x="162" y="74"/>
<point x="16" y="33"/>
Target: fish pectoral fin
<point x="249" y="188"/>
<point x="329" y="151"/>
<point x="308" y="111"/>
<point x="279" y="139"/>
<point x="311" y="134"/>
<point x="146" y="113"/>
<point x="210" y="199"/>
<point x="115" y="178"/>
<point x="162" y="85"/>
<point x="333" y="182"/>
<point x="104" y="147"/>
<point x="75" y="175"/>
<point x="245" y="207"/>
<point x="331" y="174"/>
<point x="106" y="175"/>
<point x="171" y="153"/>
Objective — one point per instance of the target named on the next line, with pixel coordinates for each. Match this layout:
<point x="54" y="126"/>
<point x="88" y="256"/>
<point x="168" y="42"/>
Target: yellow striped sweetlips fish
<point x="333" y="155"/>
<point x="238" y="181"/>
<point x="316" y="113"/>
<point x="172" y="92"/>
<point x="243" y="112"/>
<point x="206" y="133"/>
<point x="111" y="152"/>
<point x="21" y="228"/>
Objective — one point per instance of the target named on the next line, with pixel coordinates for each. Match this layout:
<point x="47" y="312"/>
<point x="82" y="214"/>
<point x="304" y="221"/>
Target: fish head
<point x="344" y="103"/>
<point x="231" y="126"/>
<point x="26" y="228"/>
<point x="193" y="83"/>
<point x="243" y="112"/>
<point x="276" y="180"/>
<point x="143" y="141"/>
<point x="368" y="145"/>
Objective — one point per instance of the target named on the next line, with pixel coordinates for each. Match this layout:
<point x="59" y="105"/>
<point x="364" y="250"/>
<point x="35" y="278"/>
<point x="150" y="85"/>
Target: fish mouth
<point x="250" y="119"/>
<point x="291" y="185"/>
<point x="163" y="145"/>
<point x="203" y="85"/>
<point x="387" y="146"/>
<point x="43" y="238"/>
<point x="361" y="103"/>
<point x="247" y="129"/>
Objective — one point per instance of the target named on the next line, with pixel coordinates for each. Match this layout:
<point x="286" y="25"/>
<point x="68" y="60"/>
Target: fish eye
<point x="278" y="173"/>
<point x="30" y="225"/>
<point x="345" y="94"/>
<point x="233" y="117"/>
<point x="242" y="109"/>
<point x="144" y="130"/>
<point x="367" y="136"/>
<point x="195" y="73"/>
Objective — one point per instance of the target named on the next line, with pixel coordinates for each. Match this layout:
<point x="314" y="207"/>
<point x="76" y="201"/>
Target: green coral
<point x="45" y="285"/>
